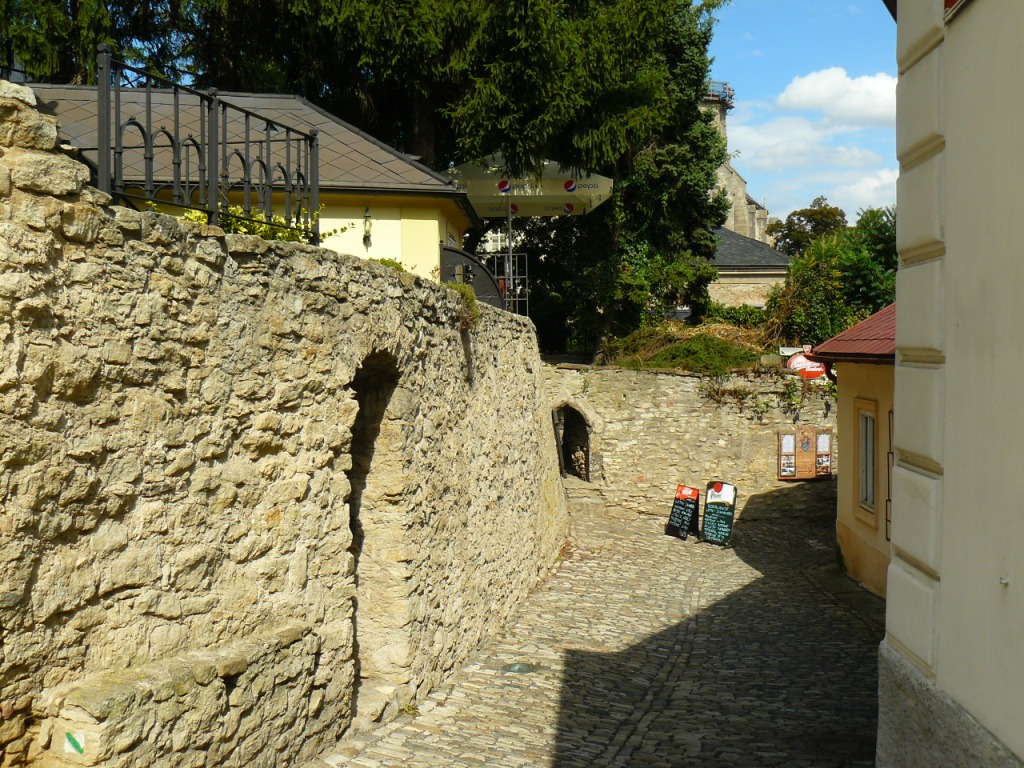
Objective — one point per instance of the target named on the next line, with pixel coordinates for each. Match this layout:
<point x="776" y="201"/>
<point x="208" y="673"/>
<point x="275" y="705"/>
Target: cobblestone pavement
<point x="653" y="651"/>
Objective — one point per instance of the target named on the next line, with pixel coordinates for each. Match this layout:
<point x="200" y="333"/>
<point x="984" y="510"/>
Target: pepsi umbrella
<point x="494" y="193"/>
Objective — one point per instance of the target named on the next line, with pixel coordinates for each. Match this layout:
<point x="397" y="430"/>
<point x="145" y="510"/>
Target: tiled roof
<point x="869" y="341"/>
<point x="350" y="160"/>
<point x="738" y="252"/>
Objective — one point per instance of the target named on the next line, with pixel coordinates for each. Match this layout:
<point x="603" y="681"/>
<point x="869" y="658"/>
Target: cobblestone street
<point x="647" y="650"/>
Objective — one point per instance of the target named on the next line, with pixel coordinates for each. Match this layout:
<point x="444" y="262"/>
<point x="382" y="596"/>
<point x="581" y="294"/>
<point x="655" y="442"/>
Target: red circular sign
<point x="805" y="369"/>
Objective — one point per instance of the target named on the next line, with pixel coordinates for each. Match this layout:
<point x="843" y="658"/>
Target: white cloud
<point x="846" y="101"/>
<point x="826" y="134"/>
<point x="872" y="190"/>
<point x="851" y="189"/>
<point x="791" y="142"/>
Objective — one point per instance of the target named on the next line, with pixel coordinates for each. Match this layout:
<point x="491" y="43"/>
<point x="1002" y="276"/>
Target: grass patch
<point x="704" y="354"/>
<point x="714" y="348"/>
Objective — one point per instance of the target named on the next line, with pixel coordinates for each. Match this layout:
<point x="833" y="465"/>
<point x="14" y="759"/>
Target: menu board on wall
<point x="805" y="453"/>
<point x="683" y="519"/>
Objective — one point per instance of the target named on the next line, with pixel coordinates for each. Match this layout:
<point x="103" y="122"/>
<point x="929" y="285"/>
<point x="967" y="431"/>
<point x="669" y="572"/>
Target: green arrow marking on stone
<point x="74" y="744"/>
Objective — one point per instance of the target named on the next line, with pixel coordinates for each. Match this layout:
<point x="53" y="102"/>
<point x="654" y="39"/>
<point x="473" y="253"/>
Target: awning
<point x="494" y="193"/>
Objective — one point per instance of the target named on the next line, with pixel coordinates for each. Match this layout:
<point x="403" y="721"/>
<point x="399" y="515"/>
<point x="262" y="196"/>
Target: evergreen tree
<point x="607" y="86"/>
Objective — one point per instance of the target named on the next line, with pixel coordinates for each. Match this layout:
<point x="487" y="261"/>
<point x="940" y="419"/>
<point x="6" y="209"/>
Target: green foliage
<point x="704" y="354"/>
<point x="395" y="265"/>
<point x="806" y="225"/>
<point x="743" y="316"/>
<point x="469" y="315"/>
<point x="53" y="39"/>
<point x="839" y="279"/>
<point x="233" y="220"/>
<point x="664" y="346"/>
<point x="646" y="251"/>
<point x="792" y="395"/>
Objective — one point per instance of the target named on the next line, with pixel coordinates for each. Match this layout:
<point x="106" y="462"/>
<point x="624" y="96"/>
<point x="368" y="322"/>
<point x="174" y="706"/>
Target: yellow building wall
<point x="419" y="227"/>
<point x="408" y="231"/>
<point x="861" y="532"/>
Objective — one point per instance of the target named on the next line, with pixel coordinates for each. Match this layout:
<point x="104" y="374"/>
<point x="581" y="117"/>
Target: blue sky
<point x="815" y="112"/>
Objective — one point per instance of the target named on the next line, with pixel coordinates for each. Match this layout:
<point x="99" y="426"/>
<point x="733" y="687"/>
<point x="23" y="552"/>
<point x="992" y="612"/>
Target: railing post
<point x="212" y="163"/>
<point x="314" y="177"/>
<point x="103" y="108"/>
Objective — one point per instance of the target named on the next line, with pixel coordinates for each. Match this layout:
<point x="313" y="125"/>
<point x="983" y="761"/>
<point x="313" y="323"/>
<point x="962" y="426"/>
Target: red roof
<point x="869" y="341"/>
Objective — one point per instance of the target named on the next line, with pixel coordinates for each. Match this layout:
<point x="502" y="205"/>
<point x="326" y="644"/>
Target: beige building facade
<point x="952" y="663"/>
<point x="861" y="361"/>
<point x="864" y="494"/>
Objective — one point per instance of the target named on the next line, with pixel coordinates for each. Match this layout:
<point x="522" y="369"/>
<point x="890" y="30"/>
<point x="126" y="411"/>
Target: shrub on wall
<point x="470" y="314"/>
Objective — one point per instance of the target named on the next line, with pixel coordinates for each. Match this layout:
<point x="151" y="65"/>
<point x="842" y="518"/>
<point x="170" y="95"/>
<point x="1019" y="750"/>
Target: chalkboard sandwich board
<point x="685" y="513"/>
<point x="719" y="512"/>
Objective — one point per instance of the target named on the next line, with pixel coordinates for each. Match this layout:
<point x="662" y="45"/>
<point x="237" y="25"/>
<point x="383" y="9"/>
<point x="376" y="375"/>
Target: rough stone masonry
<point x="249" y="491"/>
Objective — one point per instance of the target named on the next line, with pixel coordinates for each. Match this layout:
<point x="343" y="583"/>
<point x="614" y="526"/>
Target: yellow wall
<point x="408" y="230"/>
<point x="861" y="532"/>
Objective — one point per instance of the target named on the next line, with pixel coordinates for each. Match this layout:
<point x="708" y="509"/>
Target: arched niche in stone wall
<point x="377" y="515"/>
<point x="573" y="438"/>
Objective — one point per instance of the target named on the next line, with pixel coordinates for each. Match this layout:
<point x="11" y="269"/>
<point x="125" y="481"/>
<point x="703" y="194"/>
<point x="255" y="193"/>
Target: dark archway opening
<point x="373" y="449"/>
<point x="573" y="435"/>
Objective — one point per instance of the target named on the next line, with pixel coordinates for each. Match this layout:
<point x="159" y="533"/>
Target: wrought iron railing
<point x="168" y="144"/>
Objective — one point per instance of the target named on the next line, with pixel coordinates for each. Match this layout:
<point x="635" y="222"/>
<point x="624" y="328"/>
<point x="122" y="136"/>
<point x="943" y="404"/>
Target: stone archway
<point x="573" y="434"/>
<point x="377" y="514"/>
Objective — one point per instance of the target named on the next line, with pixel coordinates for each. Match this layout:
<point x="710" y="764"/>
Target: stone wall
<point x="651" y="431"/>
<point x="250" y="491"/>
<point x="738" y="291"/>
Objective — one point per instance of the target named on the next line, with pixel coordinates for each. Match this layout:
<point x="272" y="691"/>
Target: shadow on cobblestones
<point x="764" y="669"/>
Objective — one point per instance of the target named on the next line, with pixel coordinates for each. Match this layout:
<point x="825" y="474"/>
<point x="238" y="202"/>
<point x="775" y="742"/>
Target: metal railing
<point x="168" y="144"/>
<point x="722" y="91"/>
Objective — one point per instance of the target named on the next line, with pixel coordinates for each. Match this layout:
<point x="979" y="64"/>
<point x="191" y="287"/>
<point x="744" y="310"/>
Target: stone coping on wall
<point x="173" y="704"/>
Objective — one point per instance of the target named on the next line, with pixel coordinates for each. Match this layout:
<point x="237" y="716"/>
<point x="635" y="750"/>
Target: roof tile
<point x="348" y="157"/>
<point x="870" y="340"/>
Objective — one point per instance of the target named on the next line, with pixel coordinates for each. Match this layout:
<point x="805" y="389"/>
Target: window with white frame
<point x="866" y="454"/>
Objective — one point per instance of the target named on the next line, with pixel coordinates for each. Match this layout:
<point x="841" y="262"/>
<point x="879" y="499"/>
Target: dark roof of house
<point x="891" y="5"/>
<point x="350" y="160"/>
<point x="738" y="252"/>
<point x="869" y="341"/>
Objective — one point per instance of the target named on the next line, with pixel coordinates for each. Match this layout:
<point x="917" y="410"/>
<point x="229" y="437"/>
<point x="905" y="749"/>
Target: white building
<point x="951" y="675"/>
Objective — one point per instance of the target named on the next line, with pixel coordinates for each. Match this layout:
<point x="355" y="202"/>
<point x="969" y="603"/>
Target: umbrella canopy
<point x="493" y="193"/>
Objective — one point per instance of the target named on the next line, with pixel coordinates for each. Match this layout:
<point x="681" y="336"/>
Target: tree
<point x="840" y="278"/>
<point x="607" y="86"/>
<point x="53" y="39"/>
<point x="646" y="251"/>
<point x="806" y="225"/>
<point x="56" y="40"/>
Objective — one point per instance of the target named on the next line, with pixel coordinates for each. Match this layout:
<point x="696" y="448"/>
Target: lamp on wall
<point x="367" y="228"/>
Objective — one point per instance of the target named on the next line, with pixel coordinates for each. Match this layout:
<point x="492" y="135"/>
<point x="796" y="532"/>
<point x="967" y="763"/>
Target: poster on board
<point x="805" y="453"/>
